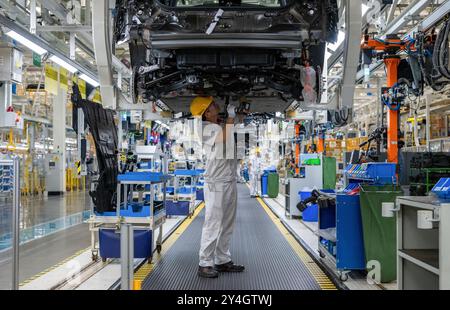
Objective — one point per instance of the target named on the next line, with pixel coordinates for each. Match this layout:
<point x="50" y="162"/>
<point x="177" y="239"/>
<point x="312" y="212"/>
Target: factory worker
<point x="220" y="189"/>
<point x="255" y="173"/>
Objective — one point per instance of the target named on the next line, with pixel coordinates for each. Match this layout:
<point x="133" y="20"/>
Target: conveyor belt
<point x="271" y="259"/>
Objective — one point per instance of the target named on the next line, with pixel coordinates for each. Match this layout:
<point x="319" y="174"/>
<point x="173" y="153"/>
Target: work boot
<point x="207" y="272"/>
<point x="229" y="267"/>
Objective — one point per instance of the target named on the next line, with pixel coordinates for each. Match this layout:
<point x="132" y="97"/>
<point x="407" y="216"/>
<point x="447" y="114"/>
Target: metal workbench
<point x="423" y="254"/>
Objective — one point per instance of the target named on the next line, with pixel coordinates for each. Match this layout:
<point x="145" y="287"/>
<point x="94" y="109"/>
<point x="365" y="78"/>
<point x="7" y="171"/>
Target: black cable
<point x="436" y="53"/>
<point x="428" y="78"/>
<point x="443" y="51"/>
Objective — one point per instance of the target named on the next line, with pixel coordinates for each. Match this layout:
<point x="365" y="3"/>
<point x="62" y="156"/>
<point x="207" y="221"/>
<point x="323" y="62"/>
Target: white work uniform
<point x="255" y="173"/>
<point x="220" y="203"/>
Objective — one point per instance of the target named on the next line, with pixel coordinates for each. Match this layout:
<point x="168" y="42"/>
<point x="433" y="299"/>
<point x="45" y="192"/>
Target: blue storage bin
<point x="377" y="173"/>
<point x="179" y="208"/>
<point x="200" y="194"/>
<point x="311" y="213"/>
<point x="442" y="188"/>
<point x="109" y="243"/>
<point x="142" y="177"/>
<point x="246" y="175"/>
<point x="264" y="181"/>
<point x="186" y="190"/>
<point x="134" y="210"/>
<point x="170" y="190"/>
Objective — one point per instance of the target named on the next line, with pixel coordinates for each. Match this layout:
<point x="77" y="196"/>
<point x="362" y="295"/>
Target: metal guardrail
<point x="45" y="229"/>
<point x="11" y="168"/>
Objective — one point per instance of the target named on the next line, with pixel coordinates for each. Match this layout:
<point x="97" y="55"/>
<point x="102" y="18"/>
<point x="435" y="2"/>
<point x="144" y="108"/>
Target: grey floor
<point x="40" y="254"/>
<point x="38" y="209"/>
<point x="270" y="261"/>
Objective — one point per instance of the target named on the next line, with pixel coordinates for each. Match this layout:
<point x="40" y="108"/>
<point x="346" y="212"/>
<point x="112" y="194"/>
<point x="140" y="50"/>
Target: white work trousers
<point x="254" y="179"/>
<point x="220" y="214"/>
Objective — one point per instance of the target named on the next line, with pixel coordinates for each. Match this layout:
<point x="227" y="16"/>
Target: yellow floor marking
<point x="321" y="278"/>
<point x="42" y="273"/>
<point x="142" y="273"/>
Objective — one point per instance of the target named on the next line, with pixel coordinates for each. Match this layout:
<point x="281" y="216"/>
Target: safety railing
<point x="10" y="175"/>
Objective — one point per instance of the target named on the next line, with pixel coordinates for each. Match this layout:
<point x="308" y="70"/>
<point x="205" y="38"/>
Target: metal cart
<point x="184" y="192"/>
<point x="151" y="219"/>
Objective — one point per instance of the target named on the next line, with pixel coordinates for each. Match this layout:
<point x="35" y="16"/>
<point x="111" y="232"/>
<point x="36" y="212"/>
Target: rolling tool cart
<point x="182" y="202"/>
<point x="344" y="224"/>
<point x="145" y="215"/>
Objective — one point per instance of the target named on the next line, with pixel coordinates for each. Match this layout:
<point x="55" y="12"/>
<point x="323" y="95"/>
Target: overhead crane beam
<point x="101" y="35"/>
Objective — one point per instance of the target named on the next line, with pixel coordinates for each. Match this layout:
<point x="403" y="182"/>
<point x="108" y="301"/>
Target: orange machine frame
<point x="392" y="45"/>
<point x="297" y="148"/>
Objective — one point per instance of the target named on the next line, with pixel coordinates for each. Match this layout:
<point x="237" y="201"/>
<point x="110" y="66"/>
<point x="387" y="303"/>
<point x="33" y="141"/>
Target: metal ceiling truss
<point x="12" y="25"/>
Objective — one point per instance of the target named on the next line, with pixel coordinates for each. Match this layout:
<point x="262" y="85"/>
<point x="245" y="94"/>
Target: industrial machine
<point x="311" y="175"/>
<point x="54" y="179"/>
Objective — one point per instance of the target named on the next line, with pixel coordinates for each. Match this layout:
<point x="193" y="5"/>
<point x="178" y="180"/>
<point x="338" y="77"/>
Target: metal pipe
<point x="126" y="256"/>
<point x="428" y="100"/>
<point x="16" y="225"/>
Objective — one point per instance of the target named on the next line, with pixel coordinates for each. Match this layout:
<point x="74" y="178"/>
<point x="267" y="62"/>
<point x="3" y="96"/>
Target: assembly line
<point x="188" y="148"/>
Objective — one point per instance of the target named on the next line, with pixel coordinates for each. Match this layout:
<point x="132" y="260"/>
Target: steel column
<point x="16" y="225"/>
<point x="103" y="52"/>
<point x="392" y="63"/>
<point x="126" y="256"/>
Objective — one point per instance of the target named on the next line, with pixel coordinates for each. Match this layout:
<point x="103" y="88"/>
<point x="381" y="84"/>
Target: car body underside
<point x="269" y="51"/>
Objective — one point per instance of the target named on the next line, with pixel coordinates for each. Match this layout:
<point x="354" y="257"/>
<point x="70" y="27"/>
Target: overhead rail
<point x="425" y="24"/>
<point x="10" y="24"/>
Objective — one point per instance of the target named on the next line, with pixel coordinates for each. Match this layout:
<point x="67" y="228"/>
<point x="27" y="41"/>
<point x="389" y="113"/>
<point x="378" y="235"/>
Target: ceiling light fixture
<point x="89" y="80"/>
<point x="63" y="64"/>
<point x="27" y="43"/>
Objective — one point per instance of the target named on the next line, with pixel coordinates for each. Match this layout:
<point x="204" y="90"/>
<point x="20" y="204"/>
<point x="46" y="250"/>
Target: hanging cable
<point x="443" y="51"/>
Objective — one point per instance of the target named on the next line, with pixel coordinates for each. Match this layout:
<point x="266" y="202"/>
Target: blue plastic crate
<point x="376" y="173"/>
<point x="109" y="243"/>
<point x="311" y="213"/>
<point x="186" y="190"/>
<point x="178" y="208"/>
<point x="187" y="172"/>
<point x="200" y="195"/>
<point x="442" y="188"/>
<point x="170" y="189"/>
<point x="133" y="210"/>
<point x="381" y="170"/>
<point x="142" y="177"/>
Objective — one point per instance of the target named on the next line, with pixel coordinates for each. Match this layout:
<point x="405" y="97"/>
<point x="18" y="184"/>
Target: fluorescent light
<point x="89" y="80"/>
<point x="24" y="41"/>
<point x="63" y="64"/>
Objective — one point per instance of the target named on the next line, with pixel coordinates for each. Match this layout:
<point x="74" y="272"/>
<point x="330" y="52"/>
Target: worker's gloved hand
<point x="231" y="110"/>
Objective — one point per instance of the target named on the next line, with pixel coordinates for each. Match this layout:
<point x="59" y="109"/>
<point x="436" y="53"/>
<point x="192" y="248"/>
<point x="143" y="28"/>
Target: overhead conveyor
<point x="274" y="260"/>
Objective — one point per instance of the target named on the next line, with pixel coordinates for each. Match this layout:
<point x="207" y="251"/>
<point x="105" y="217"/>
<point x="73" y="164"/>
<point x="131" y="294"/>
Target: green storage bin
<point x="380" y="234"/>
<point x="273" y="185"/>
<point x="329" y="173"/>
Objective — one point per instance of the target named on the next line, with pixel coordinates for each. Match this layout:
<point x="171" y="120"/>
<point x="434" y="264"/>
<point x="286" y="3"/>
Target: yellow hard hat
<point x="200" y="104"/>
